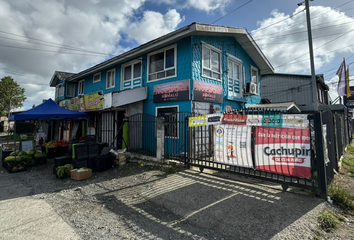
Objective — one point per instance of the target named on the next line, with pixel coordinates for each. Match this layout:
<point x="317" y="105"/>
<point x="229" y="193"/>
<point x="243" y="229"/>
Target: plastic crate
<point x="93" y="150"/>
<point x="4" y="154"/>
<point x="80" y="151"/>
<point x="61" y="161"/>
<point x="15" y="167"/>
<point x="101" y="163"/>
<point x="79" y="163"/>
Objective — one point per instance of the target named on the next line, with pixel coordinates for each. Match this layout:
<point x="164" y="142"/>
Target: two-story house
<point x="198" y="68"/>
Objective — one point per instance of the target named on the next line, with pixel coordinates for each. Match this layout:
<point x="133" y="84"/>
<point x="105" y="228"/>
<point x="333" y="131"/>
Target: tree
<point x="11" y="95"/>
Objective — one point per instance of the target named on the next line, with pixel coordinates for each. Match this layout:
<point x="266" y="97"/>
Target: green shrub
<point x="348" y="164"/>
<point x="350" y="149"/>
<point x="327" y="221"/>
<point x="341" y="197"/>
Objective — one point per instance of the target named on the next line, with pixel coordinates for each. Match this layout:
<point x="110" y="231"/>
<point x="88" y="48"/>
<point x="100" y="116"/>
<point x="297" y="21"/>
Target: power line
<point x="232" y="11"/>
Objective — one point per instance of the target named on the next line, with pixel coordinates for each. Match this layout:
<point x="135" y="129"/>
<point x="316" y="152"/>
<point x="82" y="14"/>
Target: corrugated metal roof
<point x="58" y="75"/>
<point x="286" y="106"/>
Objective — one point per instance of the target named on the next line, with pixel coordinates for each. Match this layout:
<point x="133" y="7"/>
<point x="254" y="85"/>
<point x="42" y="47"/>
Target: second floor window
<point x="254" y="75"/>
<point x="59" y="90"/>
<point x="81" y="87"/>
<point x="111" y="78"/>
<point x="131" y="75"/>
<point x="97" y="77"/>
<point x="70" y="89"/>
<point x="235" y="79"/>
<point x="162" y="64"/>
<point x="211" y="62"/>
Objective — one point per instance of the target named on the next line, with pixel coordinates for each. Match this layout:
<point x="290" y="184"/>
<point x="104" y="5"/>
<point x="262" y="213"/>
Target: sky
<point x="39" y="37"/>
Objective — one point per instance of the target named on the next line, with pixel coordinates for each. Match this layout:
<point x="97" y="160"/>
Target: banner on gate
<point x="232" y="145"/>
<point x="213" y="119"/>
<point x="283" y="150"/>
<point x="272" y="120"/>
<point x="197" y="121"/>
<point x="295" y="121"/>
<point x="235" y="119"/>
<point x="254" y="120"/>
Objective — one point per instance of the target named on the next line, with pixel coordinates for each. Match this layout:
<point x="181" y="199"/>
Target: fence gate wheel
<point x="201" y="169"/>
<point x="285" y="186"/>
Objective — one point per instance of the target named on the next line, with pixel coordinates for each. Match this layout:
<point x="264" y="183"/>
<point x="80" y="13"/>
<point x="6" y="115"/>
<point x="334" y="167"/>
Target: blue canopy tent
<point x="47" y="110"/>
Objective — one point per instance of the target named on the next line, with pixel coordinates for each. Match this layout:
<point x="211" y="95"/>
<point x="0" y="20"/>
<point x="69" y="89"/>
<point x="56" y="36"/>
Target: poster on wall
<point x="295" y="121"/>
<point x="93" y="101"/>
<point x="283" y="150"/>
<point x="171" y="91"/>
<point x="207" y="92"/>
<point x="232" y="145"/>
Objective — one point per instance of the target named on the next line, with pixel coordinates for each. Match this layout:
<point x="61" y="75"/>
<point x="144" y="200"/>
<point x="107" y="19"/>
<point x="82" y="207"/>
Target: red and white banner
<point x="283" y="150"/>
<point x="232" y="145"/>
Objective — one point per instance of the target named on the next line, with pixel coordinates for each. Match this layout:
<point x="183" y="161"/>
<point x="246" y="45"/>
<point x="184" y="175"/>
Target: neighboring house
<point x="198" y="68"/>
<point x="281" y="88"/>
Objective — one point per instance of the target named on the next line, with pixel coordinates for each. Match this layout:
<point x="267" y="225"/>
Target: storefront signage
<point x="196" y="121"/>
<point x="283" y="150"/>
<point x="207" y="92"/>
<point x="172" y="91"/>
<point x="295" y="121"/>
<point x="213" y="119"/>
<point x="272" y="120"/>
<point x="232" y="145"/>
<point x="89" y="102"/>
<point x="254" y="120"/>
<point x="234" y="119"/>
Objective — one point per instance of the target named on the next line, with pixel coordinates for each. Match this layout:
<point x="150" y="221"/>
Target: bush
<point x="350" y="149"/>
<point x="327" y="221"/>
<point x="348" y="164"/>
<point x="341" y="197"/>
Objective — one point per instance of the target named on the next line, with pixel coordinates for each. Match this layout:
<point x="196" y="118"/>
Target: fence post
<point x="160" y="138"/>
<point x="321" y="166"/>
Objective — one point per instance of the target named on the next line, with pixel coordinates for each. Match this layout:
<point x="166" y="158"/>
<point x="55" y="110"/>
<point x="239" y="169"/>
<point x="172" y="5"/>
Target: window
<point x="111" y="78"/>
<point x="81" y="87"/>
<point x="211" y="62"/>
<point x="162" y="64"/>
<point x="131" y="75"/>
<point x="59" y="90"/>
<point x="70" y="89"/>
<point x="171" y="119"/>
<point x="254" y="75"/>
<point x="97" y="77"/>
<point x="235" y="80"/>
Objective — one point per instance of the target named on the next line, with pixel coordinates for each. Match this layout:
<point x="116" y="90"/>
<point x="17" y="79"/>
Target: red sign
<point x="234" y="119"/>
<point x="283" y="150"/>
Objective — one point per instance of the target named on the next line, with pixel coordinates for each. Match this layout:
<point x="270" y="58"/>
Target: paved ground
<point x="137" y="202"/>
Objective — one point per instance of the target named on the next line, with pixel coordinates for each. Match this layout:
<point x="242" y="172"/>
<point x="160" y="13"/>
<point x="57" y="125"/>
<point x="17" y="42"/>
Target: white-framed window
<point x="235" y="77"/>
<point x="131" y="75"/>
<point x="81" y="90"/>
<point x="97" y="77"/>
<point x="70" y="89"/>
<point x="170" y="114"/>
<point x="211" y="62"/>
<point x="254" y="75"/>
<point x="162" y="64"/>
<point x="111" y="78"/>
<point x="59" y="90"/>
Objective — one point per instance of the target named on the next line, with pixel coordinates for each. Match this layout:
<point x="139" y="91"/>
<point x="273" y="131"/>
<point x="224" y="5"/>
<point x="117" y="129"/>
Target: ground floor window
<point x="171" y="119"/>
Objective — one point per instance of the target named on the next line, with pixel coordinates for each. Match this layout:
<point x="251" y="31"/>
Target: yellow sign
<point x="197" y="121"/>
<point x="89" y="102"/>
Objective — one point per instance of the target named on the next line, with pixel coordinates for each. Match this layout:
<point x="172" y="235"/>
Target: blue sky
<point x="38" y="37"/>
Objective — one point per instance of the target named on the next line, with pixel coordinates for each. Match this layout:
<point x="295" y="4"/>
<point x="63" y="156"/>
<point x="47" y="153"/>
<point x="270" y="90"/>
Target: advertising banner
<point x="254" y="120"/>
<point x="234" y="119"/>
<point x="283" y="150"/>
<point x="75" y="104"/>
<point x="232" y="145"/>
<point x="272" y="120"/>
<point x="197" y="121"/>
<point x="207" y="92"/>
<point x="213" y="119"/>
<point x="171" y="91"/>
<point x="93" y="101"/>
<point x="295" y="121"/>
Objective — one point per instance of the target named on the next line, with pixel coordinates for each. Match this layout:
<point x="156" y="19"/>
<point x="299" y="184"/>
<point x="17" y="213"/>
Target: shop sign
<point x="272" y="120"/>
<point x="172" y="91"/>
<point x="197" y="121"/>
<point x="295" y="121"/>
<point x="207" y="92"/>
<point x="213" y="119"/>
<point x="254" y="120"/>
<point x="235" y="119"/>
<point x="93" y="101"/>
<point x="283" y="150"/>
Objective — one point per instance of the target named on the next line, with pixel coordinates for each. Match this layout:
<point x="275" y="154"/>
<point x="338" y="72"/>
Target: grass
<point x="341" y="197"/>
<point x="327" y="220"/>
<point x="348" y="165"/>
<point x="350" y="149"/>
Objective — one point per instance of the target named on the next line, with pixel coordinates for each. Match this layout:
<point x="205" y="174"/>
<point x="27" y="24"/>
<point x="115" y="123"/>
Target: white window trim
<point x="132" y="63"/>
<point x="114" y="82"/>
<point x="241" y="80"/>
<point x="78" y="89"/>
<point x="220" y="56"/>
<point x="171" y="106"/>
<point x="57" y="90"/>
<point x="67" y="88"/>
<point x="165" y="69"/>
<point x="256" y="69"/>
<point x="96" y="75"/>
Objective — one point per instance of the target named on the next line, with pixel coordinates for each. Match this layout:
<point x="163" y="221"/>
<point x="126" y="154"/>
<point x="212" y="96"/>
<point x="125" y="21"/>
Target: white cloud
<point x="287" y="40"/>
<point x="153" y="25"/>
<point x="208" y="5"/>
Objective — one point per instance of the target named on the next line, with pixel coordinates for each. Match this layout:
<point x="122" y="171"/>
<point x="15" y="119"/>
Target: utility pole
<point x="312" y="60"/>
